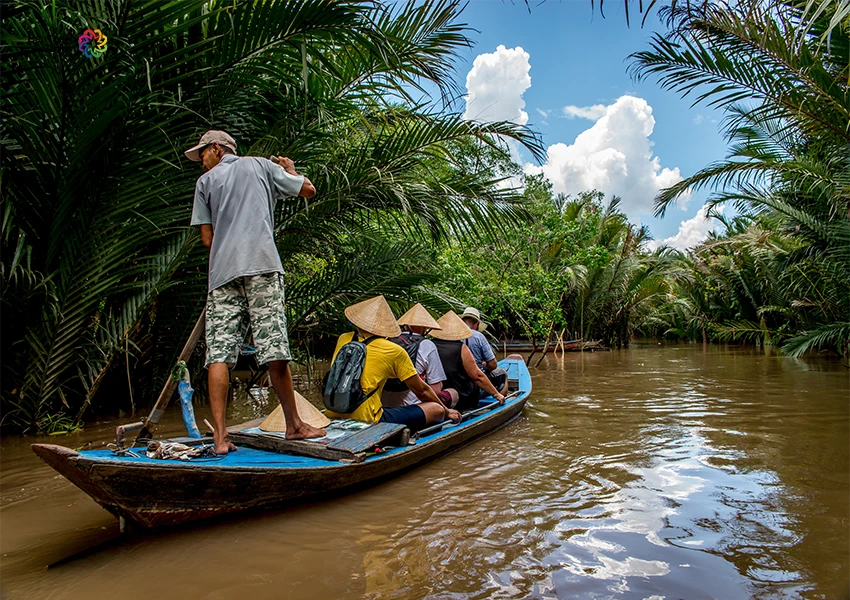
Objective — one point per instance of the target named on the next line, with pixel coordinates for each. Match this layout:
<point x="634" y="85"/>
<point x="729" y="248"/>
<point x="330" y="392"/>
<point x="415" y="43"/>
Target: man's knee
<point x="434" y="413"/>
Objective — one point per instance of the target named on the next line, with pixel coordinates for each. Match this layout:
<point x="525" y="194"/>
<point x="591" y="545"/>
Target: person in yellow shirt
<point x="386" y="360"/>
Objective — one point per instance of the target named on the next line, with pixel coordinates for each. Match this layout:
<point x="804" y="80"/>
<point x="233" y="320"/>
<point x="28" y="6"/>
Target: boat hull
<point x="157" y="494"/>
<point x="180" y="493"/>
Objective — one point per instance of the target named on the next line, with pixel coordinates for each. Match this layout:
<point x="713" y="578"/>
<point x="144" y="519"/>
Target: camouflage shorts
<point x="257" y="301"/>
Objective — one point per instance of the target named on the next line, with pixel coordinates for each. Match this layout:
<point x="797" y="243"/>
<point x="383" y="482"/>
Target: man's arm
<point x="477" y="375"/>
<point x="490" y="364"/>
<point x="307" y="189"/>
<point x="207" y="236"/>
<point x="422" y="390"/>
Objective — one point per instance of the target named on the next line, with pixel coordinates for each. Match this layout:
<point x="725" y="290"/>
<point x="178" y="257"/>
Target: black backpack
<point x="410" y="343"/>
<point x="342" y="391"/>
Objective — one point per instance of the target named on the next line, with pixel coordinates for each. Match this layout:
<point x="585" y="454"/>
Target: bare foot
<point x="224" y="446"/>
<point x="304" y="432"/>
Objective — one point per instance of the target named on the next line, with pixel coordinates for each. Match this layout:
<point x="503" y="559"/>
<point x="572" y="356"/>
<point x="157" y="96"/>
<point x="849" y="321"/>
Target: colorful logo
<point x="92" y="43"/>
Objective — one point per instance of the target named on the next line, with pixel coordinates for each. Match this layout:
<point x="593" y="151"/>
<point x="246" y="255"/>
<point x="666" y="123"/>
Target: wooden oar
<point x="464" y="416"/>
<point x="171" y="384"/>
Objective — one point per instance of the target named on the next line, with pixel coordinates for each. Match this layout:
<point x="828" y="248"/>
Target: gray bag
<point x="342" y="390"/>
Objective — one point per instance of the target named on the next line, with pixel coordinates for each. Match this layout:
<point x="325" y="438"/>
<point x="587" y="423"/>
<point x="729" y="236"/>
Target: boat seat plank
<point x="368" y="438"/>
<point x="299" y="447"/>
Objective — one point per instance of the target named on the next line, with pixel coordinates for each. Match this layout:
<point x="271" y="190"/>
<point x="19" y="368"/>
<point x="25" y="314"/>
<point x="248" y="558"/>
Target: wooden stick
<point x="546" y="349"/>
<point x="171" y="384"/>
<point x="465" y="416"/>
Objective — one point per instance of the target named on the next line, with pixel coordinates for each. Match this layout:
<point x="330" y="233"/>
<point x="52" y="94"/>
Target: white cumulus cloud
<point x="593" y="113"/>
<point x="613" y="156"/>
<point x="691" y="232"/>
<point x="495" y="86"/>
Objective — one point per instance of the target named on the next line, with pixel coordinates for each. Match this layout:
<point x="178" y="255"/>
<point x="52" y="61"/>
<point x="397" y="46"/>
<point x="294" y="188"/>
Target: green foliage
<point x="58" y="425"/>
<point x="779" y="274"/>
<point x="97" y="195"/>
<point x="577" y="266"/>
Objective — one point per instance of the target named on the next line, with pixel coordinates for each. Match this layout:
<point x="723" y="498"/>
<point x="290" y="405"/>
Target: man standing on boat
<point x="234" y="207"/>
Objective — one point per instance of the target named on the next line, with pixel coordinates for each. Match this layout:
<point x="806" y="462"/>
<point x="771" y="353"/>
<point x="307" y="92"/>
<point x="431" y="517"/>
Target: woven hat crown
<point x="374" y="316"/>
<point x="451" y="328"/>
<point x="418" y="316"/>
<point x="308" y="413"/>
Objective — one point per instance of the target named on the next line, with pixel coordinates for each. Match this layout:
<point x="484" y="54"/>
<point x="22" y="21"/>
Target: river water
<point x="659" y="472"/>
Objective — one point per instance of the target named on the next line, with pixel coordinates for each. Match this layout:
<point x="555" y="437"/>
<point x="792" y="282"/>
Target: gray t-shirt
<point x="480" y="348"/>
<point x="237" y="197"/>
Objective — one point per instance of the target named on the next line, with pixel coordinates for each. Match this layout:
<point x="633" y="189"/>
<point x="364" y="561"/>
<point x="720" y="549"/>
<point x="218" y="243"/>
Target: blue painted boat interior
<point x="249" y="457"/>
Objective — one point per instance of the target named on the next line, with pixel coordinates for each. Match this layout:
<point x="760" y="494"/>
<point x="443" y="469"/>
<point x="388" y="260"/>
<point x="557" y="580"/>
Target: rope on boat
<point x="177" y="451"/>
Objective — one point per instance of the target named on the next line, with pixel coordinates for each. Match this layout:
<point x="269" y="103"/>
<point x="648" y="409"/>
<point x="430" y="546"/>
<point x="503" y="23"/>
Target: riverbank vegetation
<point x="101" y="275"/>
<point x="779" y="272"/>
<point x="576" y="269"/>
<point x="102" y="279"/>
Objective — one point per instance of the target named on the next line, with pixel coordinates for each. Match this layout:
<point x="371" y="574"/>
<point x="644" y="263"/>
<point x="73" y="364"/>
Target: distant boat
<point x="269" y="471"/>
<point x="527" y="346"/>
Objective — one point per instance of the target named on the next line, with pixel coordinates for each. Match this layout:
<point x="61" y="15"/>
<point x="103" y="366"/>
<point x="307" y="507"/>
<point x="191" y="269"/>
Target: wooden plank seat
<point x="346" y="440"/>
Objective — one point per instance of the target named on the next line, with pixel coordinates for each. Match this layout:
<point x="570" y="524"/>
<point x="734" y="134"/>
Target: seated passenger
<point x="417" y="321"/>
<point x="481" y="350"/>
<point x="462" y="373"/>
<point x="386" y="360"/>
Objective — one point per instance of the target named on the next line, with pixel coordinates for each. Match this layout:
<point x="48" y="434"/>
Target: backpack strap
<point x="366" y="342"/>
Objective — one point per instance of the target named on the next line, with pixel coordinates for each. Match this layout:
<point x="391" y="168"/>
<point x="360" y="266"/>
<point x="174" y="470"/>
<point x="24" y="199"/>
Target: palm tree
<point x="786" y="95"/>
<point x="96" y="193"/>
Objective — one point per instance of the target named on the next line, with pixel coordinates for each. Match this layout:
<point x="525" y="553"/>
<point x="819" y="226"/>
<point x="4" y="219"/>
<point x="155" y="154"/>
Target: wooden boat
<point x="268" y="471"/>
<point x="528" y="346"/>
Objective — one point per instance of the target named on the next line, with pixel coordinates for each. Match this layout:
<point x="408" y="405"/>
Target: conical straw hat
<point x="418" y="316"/>
<point x="451" y="328"/>
<point x="374" y="316"/>
<point x="311" y="415"/>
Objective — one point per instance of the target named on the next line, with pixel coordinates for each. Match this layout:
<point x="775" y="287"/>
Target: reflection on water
<point x="657" y="472"/>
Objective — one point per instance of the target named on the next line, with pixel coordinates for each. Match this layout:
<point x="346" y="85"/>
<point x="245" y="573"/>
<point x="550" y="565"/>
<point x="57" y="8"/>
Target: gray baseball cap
<point x="222" y="138"/>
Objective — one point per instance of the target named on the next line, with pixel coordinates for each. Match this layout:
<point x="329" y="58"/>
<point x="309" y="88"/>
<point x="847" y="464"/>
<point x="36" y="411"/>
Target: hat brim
<point x="194" y="153"/>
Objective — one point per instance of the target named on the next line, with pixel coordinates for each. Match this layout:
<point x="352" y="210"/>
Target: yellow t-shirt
<point x="384" y="360"/>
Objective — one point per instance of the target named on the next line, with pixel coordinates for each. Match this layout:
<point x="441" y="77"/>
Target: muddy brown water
<point x="658" y="472"/>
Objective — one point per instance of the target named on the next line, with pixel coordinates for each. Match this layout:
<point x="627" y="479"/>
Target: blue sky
<point x="625" y="136"/>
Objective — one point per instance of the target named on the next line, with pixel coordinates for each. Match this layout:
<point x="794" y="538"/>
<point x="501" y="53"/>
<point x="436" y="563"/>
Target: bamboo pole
<point x="171" y="384"/>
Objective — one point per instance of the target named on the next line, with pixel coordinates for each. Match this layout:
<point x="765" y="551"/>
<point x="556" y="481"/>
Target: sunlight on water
<point x="655" y="473"/>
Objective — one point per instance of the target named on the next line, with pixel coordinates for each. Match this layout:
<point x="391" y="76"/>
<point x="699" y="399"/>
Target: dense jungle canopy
<point x="102" y="278"/>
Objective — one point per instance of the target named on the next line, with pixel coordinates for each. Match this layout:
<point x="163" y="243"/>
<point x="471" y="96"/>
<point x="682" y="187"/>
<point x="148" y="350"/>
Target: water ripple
<point x="655" y="473"/>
